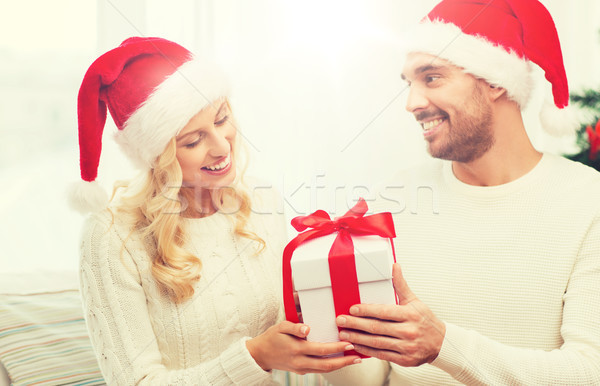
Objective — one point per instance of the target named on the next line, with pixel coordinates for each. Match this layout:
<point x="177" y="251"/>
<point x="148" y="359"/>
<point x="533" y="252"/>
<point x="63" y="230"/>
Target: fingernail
<point x="341" y="320"/>
<point x="357" y="361"/>
<point x="303" y="330"/>
<point x="353" y="310"/>
<point x="344" y="335"/>
<point x="349" y="347"/>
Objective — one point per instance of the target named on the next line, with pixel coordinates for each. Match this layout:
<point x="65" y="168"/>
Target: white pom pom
<point x="561" y="122"/>
<point x="87" y="197"/>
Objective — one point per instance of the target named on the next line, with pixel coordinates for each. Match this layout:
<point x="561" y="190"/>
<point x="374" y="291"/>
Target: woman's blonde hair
<point x="153" y="203"/>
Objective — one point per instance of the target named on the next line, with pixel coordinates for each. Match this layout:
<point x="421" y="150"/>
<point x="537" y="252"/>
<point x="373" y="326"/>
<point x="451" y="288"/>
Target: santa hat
<point x="495" y="40"/>
<point x="152" y="87"/>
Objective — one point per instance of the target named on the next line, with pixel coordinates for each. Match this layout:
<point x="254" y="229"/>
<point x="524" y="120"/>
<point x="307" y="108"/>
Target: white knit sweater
<point x="141" y="337"/>
<point x="513" y="270"/>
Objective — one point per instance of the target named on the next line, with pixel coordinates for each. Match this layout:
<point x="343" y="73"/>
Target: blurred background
<point x="317" y="94"/>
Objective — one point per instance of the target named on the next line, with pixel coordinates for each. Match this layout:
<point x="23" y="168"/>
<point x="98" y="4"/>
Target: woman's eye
<point x="192" y="145"/>
<point x="222" y="121"/>
<point x="195" y="143"/>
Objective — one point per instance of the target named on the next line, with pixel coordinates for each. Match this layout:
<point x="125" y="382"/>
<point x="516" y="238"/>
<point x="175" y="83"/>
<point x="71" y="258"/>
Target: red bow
<point x="342" y="269"/>
<point x="594" y="138"/>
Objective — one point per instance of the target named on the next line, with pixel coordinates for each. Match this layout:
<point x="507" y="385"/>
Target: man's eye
<point x="431" y="78"/>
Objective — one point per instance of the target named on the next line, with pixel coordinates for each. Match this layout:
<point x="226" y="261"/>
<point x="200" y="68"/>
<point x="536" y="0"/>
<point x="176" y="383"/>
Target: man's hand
<point x="408" y="334"/>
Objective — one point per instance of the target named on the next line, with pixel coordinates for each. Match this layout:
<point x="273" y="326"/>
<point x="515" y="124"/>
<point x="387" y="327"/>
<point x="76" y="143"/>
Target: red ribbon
<point x="342" y="268"/>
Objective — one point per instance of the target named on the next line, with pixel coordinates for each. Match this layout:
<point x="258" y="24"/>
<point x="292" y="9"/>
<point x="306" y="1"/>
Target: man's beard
<point x="469" y="135"/>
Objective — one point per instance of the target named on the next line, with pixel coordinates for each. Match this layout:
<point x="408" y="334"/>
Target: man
<point x="499" y="244"/>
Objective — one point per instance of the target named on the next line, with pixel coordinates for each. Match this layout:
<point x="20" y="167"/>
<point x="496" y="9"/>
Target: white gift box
<point x="310" y="271"/>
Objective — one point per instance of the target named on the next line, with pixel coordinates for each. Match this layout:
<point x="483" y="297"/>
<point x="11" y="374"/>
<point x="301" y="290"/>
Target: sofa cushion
<point x="44" y="340"/>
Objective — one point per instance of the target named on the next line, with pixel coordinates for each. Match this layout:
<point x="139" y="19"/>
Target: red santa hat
<point x="495" y="40"/>
<point x="152" y="87"/>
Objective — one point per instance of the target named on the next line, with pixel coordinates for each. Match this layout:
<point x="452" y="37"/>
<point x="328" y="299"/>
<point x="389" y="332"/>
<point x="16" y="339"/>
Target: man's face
<point x="451" y="106"/>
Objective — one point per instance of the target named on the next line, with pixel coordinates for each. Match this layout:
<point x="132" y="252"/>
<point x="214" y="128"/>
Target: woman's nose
<point x="219" y="143"/>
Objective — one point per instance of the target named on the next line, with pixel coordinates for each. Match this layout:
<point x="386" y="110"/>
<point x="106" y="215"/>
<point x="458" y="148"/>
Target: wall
<point x="318" y="96"/>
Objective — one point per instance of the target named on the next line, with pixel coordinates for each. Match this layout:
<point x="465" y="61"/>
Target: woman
<point x="180" y="275"/>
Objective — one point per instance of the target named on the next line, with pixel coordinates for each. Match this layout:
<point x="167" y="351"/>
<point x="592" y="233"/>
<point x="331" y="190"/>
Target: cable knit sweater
<point x="141" y="337"/>
<point x="513" y="270"/>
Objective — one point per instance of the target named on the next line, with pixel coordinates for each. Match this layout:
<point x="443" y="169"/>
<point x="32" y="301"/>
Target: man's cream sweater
<point x="513" y="270"/>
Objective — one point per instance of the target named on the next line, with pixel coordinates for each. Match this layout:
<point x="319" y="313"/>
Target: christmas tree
<point x="588" y="135"/>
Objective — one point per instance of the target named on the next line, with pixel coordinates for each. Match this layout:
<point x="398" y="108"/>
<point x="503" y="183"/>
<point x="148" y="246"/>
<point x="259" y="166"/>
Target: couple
<point x="180" y="275"/>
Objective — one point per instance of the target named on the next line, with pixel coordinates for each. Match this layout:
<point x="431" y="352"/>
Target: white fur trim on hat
<point x="85" y="197"/>
<point x="194" y="85"/>
<point x="476" y="55"/>
<point x="561" y="122"/>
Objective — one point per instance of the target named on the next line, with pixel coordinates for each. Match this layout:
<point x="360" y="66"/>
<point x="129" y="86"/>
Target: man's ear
<point x="496" y="92"/>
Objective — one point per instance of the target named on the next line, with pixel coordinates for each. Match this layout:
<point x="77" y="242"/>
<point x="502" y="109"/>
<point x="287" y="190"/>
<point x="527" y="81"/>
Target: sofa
<point x="43" y="337"/>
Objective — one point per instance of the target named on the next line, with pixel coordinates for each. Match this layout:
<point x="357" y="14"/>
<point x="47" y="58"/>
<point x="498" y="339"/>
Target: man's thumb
<point x="405" y="295"/>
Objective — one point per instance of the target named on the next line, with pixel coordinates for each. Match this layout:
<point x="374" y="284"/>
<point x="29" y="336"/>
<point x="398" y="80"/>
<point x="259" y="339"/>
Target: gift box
<point x="335" y="264"/>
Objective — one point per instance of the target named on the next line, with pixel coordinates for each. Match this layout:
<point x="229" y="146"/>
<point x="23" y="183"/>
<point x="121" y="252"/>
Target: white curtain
<point x="317" y="86"/>
<point x="317" y="93"/>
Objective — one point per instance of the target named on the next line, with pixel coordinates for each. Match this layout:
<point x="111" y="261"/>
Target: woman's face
<point x="205" y="147"/>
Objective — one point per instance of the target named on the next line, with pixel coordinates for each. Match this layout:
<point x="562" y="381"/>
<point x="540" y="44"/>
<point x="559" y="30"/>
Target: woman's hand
<point x="284" y="347"/>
